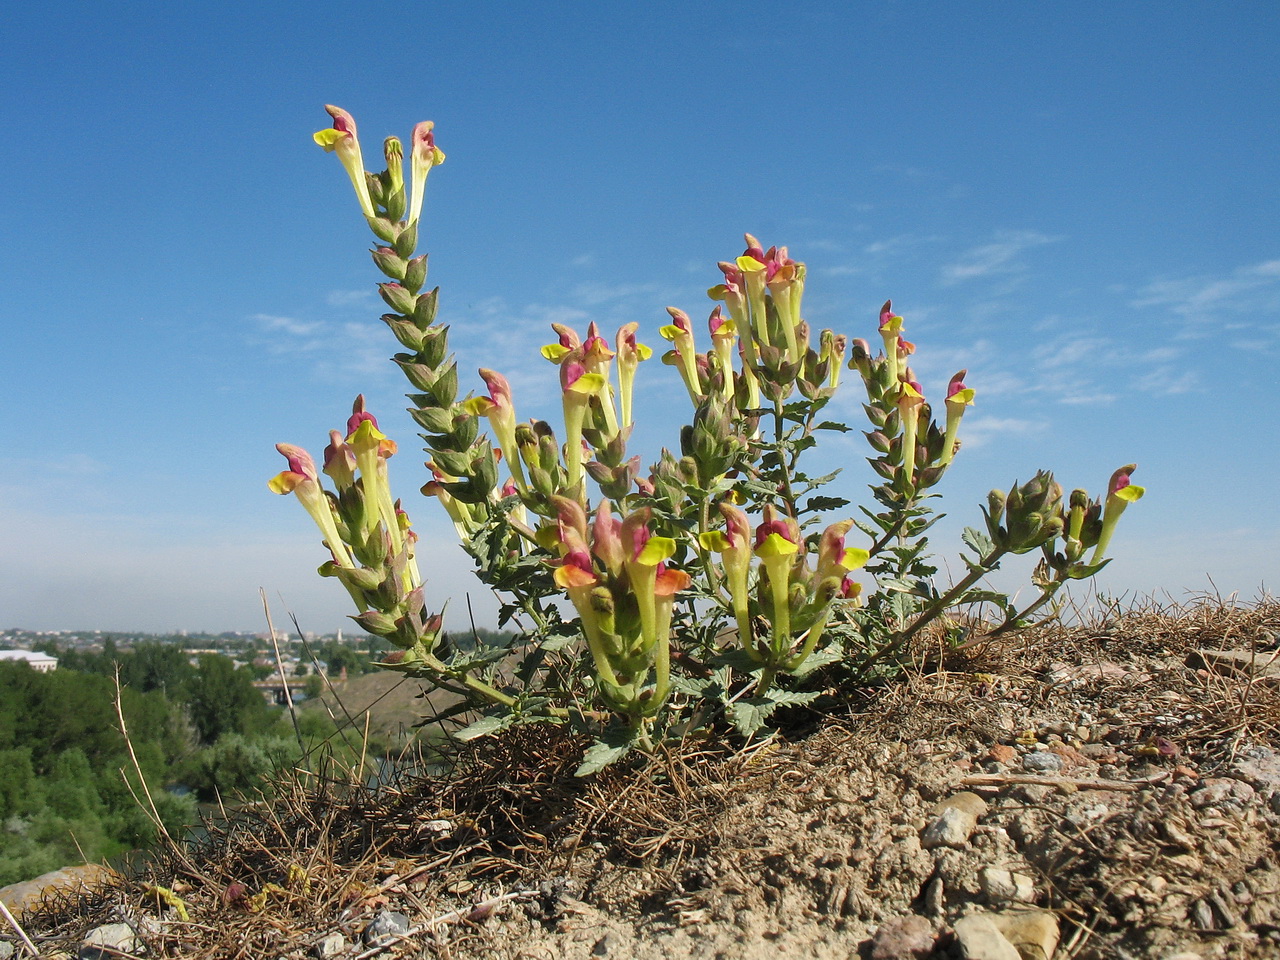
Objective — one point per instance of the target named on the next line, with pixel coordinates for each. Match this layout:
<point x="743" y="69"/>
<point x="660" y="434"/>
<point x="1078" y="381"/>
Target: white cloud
<point x="349" y="298"/>
<point x="1248" y="298"/>
<point x="979" y="431"/>
<point x="996" y="258"/>
<point x="291" y="326"/>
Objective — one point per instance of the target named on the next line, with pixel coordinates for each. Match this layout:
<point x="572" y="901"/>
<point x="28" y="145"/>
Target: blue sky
<point x="1078" y="202"/>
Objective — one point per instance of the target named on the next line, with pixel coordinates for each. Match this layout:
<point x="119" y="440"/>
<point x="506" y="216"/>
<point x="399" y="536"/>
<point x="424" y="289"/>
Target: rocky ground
<point x="1107" y="791"/>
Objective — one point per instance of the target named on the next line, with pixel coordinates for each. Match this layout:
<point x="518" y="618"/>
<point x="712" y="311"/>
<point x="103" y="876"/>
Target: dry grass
<point x="506" y="813"/>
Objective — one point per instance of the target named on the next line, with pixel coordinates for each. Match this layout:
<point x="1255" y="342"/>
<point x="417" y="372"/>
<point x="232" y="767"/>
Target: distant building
<point x="36" y="661"/>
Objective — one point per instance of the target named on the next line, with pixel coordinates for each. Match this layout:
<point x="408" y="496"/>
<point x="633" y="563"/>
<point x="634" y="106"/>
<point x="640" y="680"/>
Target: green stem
<point x="983" y="567"/>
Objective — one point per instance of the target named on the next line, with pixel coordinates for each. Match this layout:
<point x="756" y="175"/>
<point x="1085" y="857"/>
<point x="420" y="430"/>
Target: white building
<point x="36" y="661"/>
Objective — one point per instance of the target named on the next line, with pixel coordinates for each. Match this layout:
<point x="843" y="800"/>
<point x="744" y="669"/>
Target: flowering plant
<point x="711" y="589"/>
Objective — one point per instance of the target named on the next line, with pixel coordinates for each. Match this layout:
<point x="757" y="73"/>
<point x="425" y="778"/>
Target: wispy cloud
<point x="1247" y="299"/>
<point x="350" y="298"/>
<point x="1000" y="257"/>
<point x="980" y="431"/>
<point x="288" y="326"/>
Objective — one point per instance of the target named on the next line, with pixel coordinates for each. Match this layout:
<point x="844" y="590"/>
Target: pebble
<point x="606" y="945"/>
<point x="110" y="941"/>
<point x="903" y="938"/>
<point x="978" y="938"/>
<point x="1260" y="768"/>
<point x="331" y="946"/>
<point x="386" y="926"/>
<point x="6" y="950"/>
<point x="955" y="819"/>
<point x="1000" y="884"/>
<point x="1033" y="933"/>
<point x="1042" y="761"/>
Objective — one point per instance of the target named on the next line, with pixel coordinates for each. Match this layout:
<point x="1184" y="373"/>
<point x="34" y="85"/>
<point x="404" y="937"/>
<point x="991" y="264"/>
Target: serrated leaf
<point x="556" y="644"/>
<point x="790" y="698"/>
<point x="895" y="585"/>
<point x="819" y="658"/>
<point x="738" y="659"/>
<point x="833" y="425"/>
<point x="748" y="716"/>
<point x="616" y="743"/>
<point x="977" y="541"/>
<point x="986" y="596"/>
<point x="484" y="727"/>
<point x="825" y="503"/>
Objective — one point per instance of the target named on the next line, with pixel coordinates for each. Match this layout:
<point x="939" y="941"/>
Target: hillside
<point x="1104" y="791"/>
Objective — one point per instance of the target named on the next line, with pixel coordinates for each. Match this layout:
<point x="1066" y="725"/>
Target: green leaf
<point x="484" y="727"/>
<point x="833" y="425"/>
<point x="789" y="698"/>
<point x="986" y="596"/>
<point x="616" y="743"/>
<point x="748" y="716"/>
<point x="830" y="653"/>
<point x="977" y="541"/>
<point x="825" y="503"/>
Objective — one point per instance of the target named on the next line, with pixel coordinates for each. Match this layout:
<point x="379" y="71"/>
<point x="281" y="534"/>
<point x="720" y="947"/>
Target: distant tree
<point x="222" y="700"/>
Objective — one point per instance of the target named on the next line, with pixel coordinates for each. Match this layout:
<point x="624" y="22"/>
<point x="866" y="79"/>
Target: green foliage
<point x="221" y="699"/>
<point x="704" y="595"/>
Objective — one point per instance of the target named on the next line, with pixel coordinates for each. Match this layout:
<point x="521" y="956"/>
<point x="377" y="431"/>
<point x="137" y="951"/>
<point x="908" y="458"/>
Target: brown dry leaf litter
<point x="1101" y="791"/>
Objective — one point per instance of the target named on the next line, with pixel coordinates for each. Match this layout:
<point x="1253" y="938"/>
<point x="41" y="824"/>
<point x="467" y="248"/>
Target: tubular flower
<point x="341" y="139"/>
<point x="339" y="461"/>
<point x="724" y="332"/>
<point x="371" y="446"/>
<point x="597" y="357"/>
<point x="734" y="294"/>
<point x="833" y="346"/>
<point x="777" y="542"/>
<point x="958" y="397"/>
<point x="680" y="332"/>
<point x="910" y="400"/>
<point x="1120" y="493"/>
<point x="835" y="560"/>
<point x="890" y="333"/>
<point x="785" y="281"/>
<point x="734" y="547"/>
<point x="424" y="155"/>
<point x="630" y="354"/>
<point x="568" y="340"/>
<point x="577" y="387"/>
<point x="644" y="557"/>
<point x="753" y="273"/>
<point x="502" y="418"/>
<point x="302" y="480"/>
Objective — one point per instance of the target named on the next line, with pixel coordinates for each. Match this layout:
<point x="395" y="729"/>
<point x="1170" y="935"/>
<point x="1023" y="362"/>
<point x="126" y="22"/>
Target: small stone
<point x="1033" y="933"/>
<point x="1042" y="761"/>
<point x="1033" y="793"/>
<point x="1260" y="768"/>
<point x="903" y="938"/>
<point x="1156" y="884"/>
<point x="1235" y="662"/>
<point x="1202" y="915"/>
<point x="1213" y="791"/>
<point x="999" y="885"/>
<point x="385" y="927"/>
<point x="978" y="938"/>
<point x="1002" y="753"/>
<point x="935" y="897"/>
<point x="956" y="818"/>
<point x="6" y="950"/>
<point x="110" y="941"/>
<point x="607" y="945"/>
<point x="330" y="947"/>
